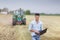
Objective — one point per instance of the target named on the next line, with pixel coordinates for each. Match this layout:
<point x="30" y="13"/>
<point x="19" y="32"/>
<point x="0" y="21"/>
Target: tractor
<point x="19" y="17"/>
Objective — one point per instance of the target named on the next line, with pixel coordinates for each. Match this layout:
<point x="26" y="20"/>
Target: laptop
<point x="42" y="32"/>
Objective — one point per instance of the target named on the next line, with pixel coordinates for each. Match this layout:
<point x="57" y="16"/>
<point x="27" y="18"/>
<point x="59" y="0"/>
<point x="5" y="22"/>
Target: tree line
<point x="27" y="12"/>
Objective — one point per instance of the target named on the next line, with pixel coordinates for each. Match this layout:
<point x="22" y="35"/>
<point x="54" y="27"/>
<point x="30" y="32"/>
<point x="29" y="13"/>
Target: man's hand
<point x="37" y="32"/>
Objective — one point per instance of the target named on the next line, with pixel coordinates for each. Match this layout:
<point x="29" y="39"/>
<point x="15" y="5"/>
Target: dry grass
<point x="7" y="32"/>
<point x="20" y="32"/>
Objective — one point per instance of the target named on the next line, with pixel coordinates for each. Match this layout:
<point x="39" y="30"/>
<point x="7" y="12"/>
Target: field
<point x="20" y="32"/>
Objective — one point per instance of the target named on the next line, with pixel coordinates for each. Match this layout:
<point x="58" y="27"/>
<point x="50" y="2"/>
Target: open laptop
<point x="42" y="32"/>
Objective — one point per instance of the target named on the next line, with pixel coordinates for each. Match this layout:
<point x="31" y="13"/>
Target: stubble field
<point x="21" y="32"/>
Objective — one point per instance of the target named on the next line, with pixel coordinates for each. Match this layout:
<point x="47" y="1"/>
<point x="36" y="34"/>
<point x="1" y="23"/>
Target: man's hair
<point x="37" y="14"/>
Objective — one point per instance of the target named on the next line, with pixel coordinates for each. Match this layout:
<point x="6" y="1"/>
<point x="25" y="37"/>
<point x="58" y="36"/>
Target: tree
<point x="0" y="10"/>
<point x="5" y="9"/>
<point x="27" y="12"/>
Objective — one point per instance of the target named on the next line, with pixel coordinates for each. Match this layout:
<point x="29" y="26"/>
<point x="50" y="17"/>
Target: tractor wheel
<point x="24" y="21"/>
<point x="14" y="22"/>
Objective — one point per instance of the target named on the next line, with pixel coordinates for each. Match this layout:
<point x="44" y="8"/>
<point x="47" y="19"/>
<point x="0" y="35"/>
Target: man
<point x="35" y="26"/>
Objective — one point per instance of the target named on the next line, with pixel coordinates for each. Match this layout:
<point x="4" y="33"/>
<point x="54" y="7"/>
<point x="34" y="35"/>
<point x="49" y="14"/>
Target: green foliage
<point x="50" y="14"/>
<point x="0" y="10"/>
<point x="27" y="12"/>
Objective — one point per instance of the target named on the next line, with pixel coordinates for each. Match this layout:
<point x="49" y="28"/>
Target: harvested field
<point x="20" y="32"/>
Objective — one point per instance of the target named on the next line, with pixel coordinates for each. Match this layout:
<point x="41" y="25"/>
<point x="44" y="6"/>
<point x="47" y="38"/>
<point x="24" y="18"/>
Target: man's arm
<point x="41" y="26"/>
<point x="34" y="31"/>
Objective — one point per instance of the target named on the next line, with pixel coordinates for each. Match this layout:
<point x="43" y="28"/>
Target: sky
<point x="38" y="6"/>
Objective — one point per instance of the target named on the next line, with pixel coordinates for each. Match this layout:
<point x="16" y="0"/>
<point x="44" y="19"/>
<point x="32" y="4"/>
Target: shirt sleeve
<point x="41" y="26"/>
<point x="30" y="26"/>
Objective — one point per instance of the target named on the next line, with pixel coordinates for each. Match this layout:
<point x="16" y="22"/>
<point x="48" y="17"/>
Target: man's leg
<point x="36" y="37"/>
<point x="33" y="38"/>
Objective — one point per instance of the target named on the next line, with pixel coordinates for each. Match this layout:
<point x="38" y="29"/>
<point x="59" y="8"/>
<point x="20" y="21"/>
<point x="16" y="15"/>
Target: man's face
<point x="36" y="18"/>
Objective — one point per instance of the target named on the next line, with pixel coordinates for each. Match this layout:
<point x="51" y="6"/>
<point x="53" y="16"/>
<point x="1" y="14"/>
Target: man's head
<point x="37" y="15"/>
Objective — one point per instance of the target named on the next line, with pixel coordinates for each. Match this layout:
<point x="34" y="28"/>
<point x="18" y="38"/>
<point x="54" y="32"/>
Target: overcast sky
<point x="45" y="6"/>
